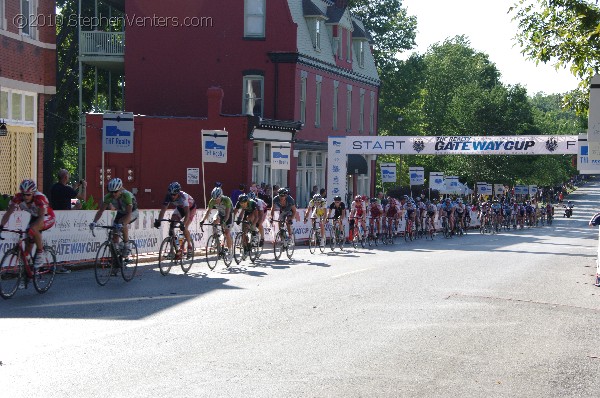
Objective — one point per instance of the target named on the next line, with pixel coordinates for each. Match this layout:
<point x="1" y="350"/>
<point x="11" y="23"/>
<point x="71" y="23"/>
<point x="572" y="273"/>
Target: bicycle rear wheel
<point x="104" y="263"/>
<point x="129" y="265"/>
<point x="278" y="245"/>
<point x="187" y="261"/>
<point x="166" y="255"/>
<point x="332" y="237"/>
<point x="340" y="237"/>
<point x="213" y="249"/>
<point x="238" y="249"/>
<point x="10" y="274"/>
<point x="255" y="250"/>
<point x="44" y="275"/>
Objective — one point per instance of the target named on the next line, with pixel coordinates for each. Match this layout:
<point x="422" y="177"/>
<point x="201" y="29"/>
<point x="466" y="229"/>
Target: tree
<point x="564" y="32"/>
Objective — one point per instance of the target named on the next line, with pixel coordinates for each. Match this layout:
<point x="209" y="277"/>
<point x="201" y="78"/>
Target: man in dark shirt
<point x="61" y="193"/>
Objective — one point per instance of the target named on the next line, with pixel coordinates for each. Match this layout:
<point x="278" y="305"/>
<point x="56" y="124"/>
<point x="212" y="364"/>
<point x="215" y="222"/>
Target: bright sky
<point x="490" y="30"/>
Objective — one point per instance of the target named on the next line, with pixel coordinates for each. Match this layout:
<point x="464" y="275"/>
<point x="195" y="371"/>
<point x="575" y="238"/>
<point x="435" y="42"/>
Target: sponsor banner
<point x="521" y="189"/>
<point x="593" y="133"/>
<point x="453" y="186"/>
<point x="417" y="175"/>
<point x="463" y="145"/>
<point x="483" y="188"/>
<point x="193" y="176"/>
<point x="336" y="167"/>
<point x="117" y="132"/>
<point x="585" y="165"/>
<point x="436" y="180"/>
<point x="280" y="156"/>
<point x="388" y="172"/>
<point x="499" y="189"/>
<point x="533" y="190"/>
<point x="214" y="146"/>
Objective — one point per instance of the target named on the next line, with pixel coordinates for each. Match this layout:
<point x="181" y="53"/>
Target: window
<point x="28" y="9"/>
<point x="303" y="77"/>
<point x="318" y="103"/>
<point x="29" y="110"/>
<point x="348" y="107"/>
<point x="361" y="126"/>
<point x="349" y="46"/>
<point x="335" y="104"/>
<point x="17" y="107"/>
<point x="253" y="96"/>
<point x="4" y="104"/>
<point x="261" y="166"/>
<point x="360" y="52"/>
<point x="254" y="18"/>
<point x="2" y="14"/>
<point x="317" y="43"/>
<point x="372" y="114"/>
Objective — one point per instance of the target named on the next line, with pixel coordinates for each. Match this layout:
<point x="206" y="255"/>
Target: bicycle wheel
<point x="238" y="249"/>
<point x="278" y="245"/>
<point x="289" y="250"/>
<point x="332" y="237"/>
<point x="213" y="248"/>
<point x="363" y="238"/>
<point x="255" y="249"/>
<point x="340" y="237"/>
<point x="226" y="256"/>
<point x="355" y="238"/>
<point x="10" y="274"/>
<point x="166" y="255"/>
<point x="129" y="265"/>
<point x="44" y="275"/>
<point x="104" y="263"/>
<point x="187" y="261"/>
<point x="312" y="241"/>
<point x="322" y="241"/>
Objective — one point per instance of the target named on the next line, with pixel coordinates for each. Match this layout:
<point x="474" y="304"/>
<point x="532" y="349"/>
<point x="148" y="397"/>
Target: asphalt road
<point x="512" y="315"/>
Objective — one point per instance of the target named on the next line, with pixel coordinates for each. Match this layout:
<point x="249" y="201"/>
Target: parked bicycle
<point x="216" y="247"/>
<point x="247" y="244"/>
<point x="337" y="237"/>
<point x="283" y="242"/>
<point x="17" y="269"/>
<point x="110" y="258"/>
<point x="174" y="249"/>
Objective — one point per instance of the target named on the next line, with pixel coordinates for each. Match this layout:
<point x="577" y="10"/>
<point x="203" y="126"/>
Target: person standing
<point x="61" y="193"/>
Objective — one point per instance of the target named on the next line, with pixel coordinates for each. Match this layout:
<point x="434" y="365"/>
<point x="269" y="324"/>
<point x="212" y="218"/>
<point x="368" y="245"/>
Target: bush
<point x="4" y="201"/>
<point x="89" y="204"/>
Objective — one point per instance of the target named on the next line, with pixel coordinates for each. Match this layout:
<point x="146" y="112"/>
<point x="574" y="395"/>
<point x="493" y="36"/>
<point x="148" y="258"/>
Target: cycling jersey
<point x="496" y="207"/>
<point x="337" y="210"/>
<point x="431" y="210"/>
<point x="447" y="207"/>
<point x="261" y="204"/>
<point x="358" y="209"/>
<point x="319" y="207"/>
<point x="375" y="210"/>
<point x="286" y="207"/>
<point x="183" y="200"/>
<point x="249" y="208"/>
<point x="221" y="207"/>
<point x="392" y="208"/>
<point x="120" y="203"/>
<point x="39" y="202"/>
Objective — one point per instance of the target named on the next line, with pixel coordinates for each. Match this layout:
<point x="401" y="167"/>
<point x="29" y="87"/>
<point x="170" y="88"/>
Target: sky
<point x="490" y="30"/>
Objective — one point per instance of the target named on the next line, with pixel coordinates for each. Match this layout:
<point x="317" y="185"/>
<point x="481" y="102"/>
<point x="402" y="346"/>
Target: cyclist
<point x="409" y="208"/>
<point x="287" y="209"/>
<point x="248" y="212"/>
<point x="530" y="212"/>
<point x="338" y="208"/>
<point x="357" y="213"/>
<point x="420" y="207"/>
<point x="127" y="211"/>
<point x="318" y="209"/>
<point x="431" y="210"/>
<point x="262" y="214"/>
<point x="392" y="214"/>
<point x="375" y="212"/>
<point x="447" y="210"/>
<point x="507" y="212"/>
<point x="223" y="205"/>
<point x="496" y="208"/>
<point x="30" y="200"/>
<point x="185" y="208"/>
<point x="461" y="211"/>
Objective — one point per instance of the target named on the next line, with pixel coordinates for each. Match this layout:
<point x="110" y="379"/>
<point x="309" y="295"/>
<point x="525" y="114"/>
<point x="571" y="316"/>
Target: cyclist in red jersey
<point x="375" y="212"/>
<point x="30" y="200"/>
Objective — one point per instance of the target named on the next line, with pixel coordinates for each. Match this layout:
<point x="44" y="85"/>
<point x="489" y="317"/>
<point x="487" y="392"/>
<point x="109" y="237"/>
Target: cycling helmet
<point x="243" y="198"/>
<point x="447" y="199"/>
<point x="337" y="198"/>
<point x="317" y="197"/>
<point x="28" y="186"/>
<point x="216" y="193"/>
<point x="174" y="188"/>
<point x="373" y="200"/>
<point x="115" y="185"/>
<point x="459" y="200"/>
<point x="251" y="195"/>
<point x="357" y="198"/>
<point x="418" y="199"/>
<point x="282" y="192"/>
<point x="405" y="197"/>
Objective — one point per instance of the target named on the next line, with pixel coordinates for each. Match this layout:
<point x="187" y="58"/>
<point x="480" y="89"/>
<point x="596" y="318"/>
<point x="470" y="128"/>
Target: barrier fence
<point x="74" y="242"/>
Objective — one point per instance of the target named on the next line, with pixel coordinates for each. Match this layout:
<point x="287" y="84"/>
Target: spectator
<point x="237" y="192"/>
<point x="323" y="193"/>
<point x="61" y="193"/>
<point x="382" y="200"/>
<point x="313" y="192"/>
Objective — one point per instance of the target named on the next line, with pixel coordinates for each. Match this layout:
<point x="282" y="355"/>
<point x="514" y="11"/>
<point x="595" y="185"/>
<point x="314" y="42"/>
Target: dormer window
<point x="359" y="50"/>
<point x="316" y="28"/>
<point x="317" y="38"/>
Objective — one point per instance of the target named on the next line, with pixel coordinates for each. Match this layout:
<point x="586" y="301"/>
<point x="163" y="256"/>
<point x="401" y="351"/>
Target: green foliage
<point x="4" y="201"/>
<point x="565" y="33"/>
<point x="89" y="204"/>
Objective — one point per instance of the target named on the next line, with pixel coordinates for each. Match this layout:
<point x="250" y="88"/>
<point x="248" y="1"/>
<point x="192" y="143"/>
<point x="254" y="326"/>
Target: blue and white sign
<point x="499" y="189"/>
<point x="336" y="164"/>
<point x="533" y="190"/>
<point x="521" y="190"/>
<point x="214" y="146"/>
<point x="117" y="132"/>
<point x="483" y="188"/>
<point x="436" y="181"/>
<point x="452" y="184"/>
<point x="280" y="156"/>
<point x="417" y="175"/>
<point x="585" y="165"/>
<point x="388" y="172"/>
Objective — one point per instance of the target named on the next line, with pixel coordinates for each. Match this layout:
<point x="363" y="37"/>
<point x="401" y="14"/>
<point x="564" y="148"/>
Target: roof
<point x="311" y="10"/>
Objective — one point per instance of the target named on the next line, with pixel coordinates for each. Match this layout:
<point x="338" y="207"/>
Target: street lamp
<point x="3" y="129"/>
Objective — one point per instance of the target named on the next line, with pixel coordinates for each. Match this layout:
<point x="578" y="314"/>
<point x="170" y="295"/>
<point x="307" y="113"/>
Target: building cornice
<point x="27" y="40"/>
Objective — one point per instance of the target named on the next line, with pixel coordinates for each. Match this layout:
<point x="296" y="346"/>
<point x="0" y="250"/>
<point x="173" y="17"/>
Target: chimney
<point x="215" y="101"/>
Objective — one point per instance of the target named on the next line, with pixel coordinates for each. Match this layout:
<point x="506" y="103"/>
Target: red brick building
<point x="284" y="62"/>
<point x="27" y="81"/>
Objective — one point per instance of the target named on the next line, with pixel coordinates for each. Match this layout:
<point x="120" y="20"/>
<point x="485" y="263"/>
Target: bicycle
<point x="371" y="238"/>
<point x="173" y="249"/>
<point x="388" y="231"/>
<point x="446" y="228"/>
<point x="16" y="267"/>
<point x="109" y="257"/>
<point x="314" y="237"/>
<point x="216" y="248"/>
<point x="409" y="230"/>
<point x="283" y="241"/>
<point x="430" y="233"/>
<point x="252" y="246"/>
<point x="358" y="235"/>
<point x="337" y="237"/>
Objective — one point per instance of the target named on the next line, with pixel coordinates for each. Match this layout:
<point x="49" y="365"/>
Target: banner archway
<point x="340" y="147"/>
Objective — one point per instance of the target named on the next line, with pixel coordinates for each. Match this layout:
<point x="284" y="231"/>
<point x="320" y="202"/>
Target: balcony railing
<point x="102" y="43"/>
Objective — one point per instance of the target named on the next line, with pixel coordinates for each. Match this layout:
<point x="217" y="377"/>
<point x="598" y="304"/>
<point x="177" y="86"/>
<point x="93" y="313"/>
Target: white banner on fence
<point x="280" y="156"/>
<point x="117" y="132"/>
<point x="499" y="189"/>
<point x="436" y="180"/>
<point x="417" y="175"/>
<point x="214" y="146"/>
<point x="388" y="172"/>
